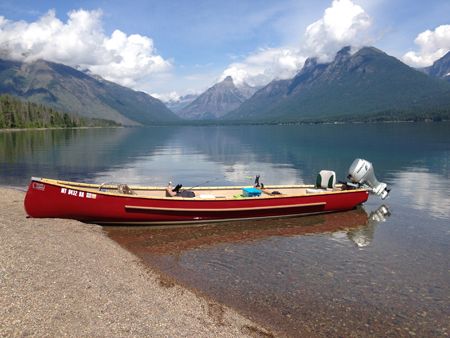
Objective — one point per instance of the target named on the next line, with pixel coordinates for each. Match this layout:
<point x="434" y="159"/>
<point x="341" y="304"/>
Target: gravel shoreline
<point x="66" y="278"/>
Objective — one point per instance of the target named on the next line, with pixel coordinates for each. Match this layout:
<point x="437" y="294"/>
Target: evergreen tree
<point x="15" y="113"/>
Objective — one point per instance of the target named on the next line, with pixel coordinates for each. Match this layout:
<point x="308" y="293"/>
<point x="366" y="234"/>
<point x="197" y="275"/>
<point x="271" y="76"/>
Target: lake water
<point x="379" y="270"/>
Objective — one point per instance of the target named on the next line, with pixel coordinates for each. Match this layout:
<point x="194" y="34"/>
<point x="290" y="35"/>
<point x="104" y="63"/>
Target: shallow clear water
<point x="355" y="273"/>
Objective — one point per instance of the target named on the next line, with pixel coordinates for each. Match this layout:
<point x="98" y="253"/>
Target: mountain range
<point x="368" y="85"/>
<point x="217" y="101"/>
<point x="351" y="87"/>
<point x="69" y="90"/>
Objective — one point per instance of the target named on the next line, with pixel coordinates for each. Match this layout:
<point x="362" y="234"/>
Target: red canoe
<point x="118" y="204"/>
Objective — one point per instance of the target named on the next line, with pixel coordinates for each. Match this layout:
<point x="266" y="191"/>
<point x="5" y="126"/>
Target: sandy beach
<point x="66" y="278"/>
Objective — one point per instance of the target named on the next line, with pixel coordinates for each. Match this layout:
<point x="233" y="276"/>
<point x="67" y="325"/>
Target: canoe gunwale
<point x="94" y="188"/>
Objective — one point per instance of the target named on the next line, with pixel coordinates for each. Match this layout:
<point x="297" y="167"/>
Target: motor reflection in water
<point x="363" y="236"/>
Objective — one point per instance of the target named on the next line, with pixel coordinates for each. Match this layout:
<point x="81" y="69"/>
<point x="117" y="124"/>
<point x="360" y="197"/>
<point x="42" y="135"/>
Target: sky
<point x="176" y="47"/>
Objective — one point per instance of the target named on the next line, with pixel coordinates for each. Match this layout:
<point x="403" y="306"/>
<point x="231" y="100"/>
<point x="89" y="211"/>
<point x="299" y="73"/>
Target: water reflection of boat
<point x="358" y="226"/>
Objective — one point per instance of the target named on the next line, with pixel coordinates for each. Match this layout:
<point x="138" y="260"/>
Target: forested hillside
<point x="15" y="113"/>
<point x="67" y="89"/>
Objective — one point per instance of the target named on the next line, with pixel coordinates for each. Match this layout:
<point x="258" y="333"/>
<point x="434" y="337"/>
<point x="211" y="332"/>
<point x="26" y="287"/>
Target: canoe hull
<point x="52" y="200"/>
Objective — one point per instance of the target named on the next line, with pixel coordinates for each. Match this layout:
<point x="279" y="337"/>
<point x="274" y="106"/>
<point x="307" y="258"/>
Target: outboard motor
<point x="361" y="172"/>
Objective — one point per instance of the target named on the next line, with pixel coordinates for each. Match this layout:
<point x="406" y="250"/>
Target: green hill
<point x="368" y="85"/>
<point x="67" y="89"/>
<point x="15" y="113"/>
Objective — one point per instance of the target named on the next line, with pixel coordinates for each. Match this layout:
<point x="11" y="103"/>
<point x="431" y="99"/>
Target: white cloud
<point x="343" y="23"/>
<point x="433" y="45"/>
<point x="121" y="58"/>
<point x="265" y="65"/>
<point x="167" y="97"/>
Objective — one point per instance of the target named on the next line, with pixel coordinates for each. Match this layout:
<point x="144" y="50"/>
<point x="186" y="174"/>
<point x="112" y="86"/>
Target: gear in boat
<point x="172" y="192"/>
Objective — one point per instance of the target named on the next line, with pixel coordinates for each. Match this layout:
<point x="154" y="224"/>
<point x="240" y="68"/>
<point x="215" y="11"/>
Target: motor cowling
<point x="362" y="172"/>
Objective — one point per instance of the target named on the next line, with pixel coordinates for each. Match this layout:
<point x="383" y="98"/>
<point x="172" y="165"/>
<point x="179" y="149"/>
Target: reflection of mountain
<point x="243" y="152"/>
<point x="193" y="169"/>
<point x="310" y="148"/>
<point x="358" y="226"/>
<point x="223" y="155"/>
<point x="75" y="154"/>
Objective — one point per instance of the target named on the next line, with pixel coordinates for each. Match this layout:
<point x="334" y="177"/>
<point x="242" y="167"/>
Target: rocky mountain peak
<point x="225" y="83"/>
<point x="246" y="90"/>
<point x="440" y="68"/>
<point x="228" y="79"/>
<point x="215" y="101"/>
<point x="310" y="63"/>
<point x="343" y="54"/>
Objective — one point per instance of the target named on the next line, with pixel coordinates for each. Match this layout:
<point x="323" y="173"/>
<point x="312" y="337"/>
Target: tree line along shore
<point x="18" y="114"/>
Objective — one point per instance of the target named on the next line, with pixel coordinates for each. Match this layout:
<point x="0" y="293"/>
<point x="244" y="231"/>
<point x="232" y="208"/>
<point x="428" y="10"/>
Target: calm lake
<point x="380" y="270"/>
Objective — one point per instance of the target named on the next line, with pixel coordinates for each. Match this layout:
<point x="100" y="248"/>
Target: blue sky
<point x="189" y="45"/>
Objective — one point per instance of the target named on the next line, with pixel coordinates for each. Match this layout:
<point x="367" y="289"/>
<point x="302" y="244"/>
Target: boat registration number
<point x="77" y="193"/>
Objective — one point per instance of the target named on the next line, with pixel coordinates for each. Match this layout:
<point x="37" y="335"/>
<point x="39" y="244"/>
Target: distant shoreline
<point x="58" y="128"/>
<point x="300" y="123"/>
<point x="207" y="123"/>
